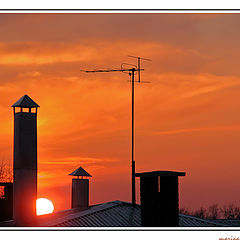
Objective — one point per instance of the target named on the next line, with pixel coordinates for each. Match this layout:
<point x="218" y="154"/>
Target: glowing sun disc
<point x="44" y="206"/>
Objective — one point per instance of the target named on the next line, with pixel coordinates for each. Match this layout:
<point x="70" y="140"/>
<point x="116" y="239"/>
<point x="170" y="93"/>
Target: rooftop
<point x="117" y="214"/>
<point x="123" y="214"/>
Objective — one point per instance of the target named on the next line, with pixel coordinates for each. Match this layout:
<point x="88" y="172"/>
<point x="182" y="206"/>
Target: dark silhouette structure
<point x="159" y="198"/>
<point x="25" y="161"/>
<point x="6" y="201"/>
<point x="158" y="189"/>
<point x="80" y="189"/>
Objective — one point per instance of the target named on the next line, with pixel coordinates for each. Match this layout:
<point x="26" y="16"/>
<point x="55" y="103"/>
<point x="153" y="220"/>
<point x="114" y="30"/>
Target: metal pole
<point x="139" y="69"/>
<point x="133" y="162"/>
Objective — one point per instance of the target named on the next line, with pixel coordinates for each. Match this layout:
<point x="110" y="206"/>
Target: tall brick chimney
<point x="25" y="161"/>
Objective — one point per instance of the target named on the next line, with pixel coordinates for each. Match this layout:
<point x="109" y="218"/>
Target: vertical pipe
<point x="80" y="193"/>
<point x="139" y="69"/>
<point x="25" y="168"/>
<point x="133" y="162"/>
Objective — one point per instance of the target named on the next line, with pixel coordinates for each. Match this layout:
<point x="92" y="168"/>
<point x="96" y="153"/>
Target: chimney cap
<point x="25" y="101"/>
<point x="80" y="172"/>
<point x="160" y="173"/>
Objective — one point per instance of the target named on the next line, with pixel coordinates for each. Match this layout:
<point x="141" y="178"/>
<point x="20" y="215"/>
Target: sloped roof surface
<point x="119" y="214"/>
<point x="80" y="172"/>
<point x="25" y="101"/>
<point x="190" y="221"/>
<point x="116" y="214"/>
<point x="229" y="222"/>
<point x="113" y="214"/>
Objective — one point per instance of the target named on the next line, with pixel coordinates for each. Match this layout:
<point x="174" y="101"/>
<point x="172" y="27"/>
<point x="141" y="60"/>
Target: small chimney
<point x="159" y="198"/>
<point x="25" y="161"/>
<point x="80" y="189"/>
<point x="6" y="201"/>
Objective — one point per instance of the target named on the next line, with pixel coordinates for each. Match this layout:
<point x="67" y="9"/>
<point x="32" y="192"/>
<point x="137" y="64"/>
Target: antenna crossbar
<point x="112" y="70"/>
<point x="147" y="59"/>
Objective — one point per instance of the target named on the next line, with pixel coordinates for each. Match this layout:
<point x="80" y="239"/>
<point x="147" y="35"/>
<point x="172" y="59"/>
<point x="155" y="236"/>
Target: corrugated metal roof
<point x="229" y="222"/>
<point x="190" y="221"/>
<point x="117" y="214"/>
<point x="120" y="214"/>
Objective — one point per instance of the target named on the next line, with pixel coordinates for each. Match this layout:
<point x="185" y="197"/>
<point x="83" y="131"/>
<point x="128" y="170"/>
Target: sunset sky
<point x="187" y="118"/>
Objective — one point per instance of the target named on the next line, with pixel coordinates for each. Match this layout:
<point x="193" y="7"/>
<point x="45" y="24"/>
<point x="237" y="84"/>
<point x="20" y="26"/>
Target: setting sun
<point x="44" y="206"/>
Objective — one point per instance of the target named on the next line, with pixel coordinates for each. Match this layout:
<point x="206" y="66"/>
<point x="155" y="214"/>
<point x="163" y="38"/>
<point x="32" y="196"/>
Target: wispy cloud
<point x="78" y="160"/>
<point x="191" y="130"/>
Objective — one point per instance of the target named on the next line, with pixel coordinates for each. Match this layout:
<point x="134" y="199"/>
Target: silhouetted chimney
<point x="6" y="201"/>
<point x="159" y="198"/>
<point x="25" y="161"/>
<point x="80" y="189"/>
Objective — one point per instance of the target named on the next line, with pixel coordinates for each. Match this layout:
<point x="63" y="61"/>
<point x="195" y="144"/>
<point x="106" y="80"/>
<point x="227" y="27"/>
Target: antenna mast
<point x="131" y="71"/>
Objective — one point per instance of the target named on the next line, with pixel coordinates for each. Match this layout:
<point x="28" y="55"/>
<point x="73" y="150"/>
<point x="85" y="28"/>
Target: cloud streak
<point x="192" y="130"/>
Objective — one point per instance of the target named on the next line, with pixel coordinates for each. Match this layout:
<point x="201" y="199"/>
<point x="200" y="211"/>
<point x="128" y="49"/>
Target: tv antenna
<point x="131" y="70"/>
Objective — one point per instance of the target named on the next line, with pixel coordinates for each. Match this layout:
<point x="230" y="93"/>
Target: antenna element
<point x="131" y="70"/>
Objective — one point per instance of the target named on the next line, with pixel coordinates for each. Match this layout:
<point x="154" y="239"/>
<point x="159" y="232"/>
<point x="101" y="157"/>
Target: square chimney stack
<point x="80" y="189"/>
<point x="25" y="161"/>
<point x="159" y="198"/>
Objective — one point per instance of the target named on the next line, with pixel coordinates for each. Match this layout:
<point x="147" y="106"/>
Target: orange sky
<point x="187" y="118"/>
